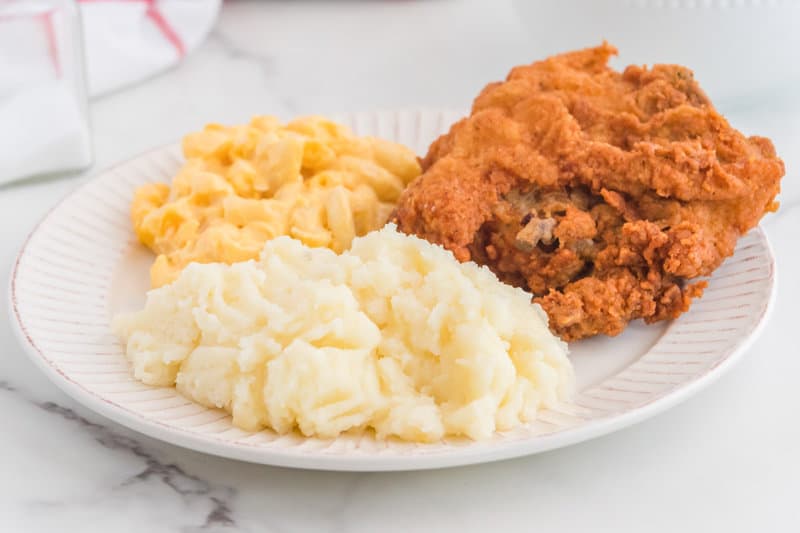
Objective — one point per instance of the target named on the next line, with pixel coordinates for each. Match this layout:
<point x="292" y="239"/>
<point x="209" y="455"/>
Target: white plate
<point x="82" y="264"/>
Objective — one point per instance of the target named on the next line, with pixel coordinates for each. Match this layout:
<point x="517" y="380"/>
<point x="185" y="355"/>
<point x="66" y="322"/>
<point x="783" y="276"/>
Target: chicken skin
<point x="608" y="195"/>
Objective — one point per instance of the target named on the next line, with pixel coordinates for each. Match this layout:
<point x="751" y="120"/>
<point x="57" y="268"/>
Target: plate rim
<point x="361" y="462"/>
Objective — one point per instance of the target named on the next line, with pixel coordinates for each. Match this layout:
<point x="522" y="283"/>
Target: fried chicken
<point x="603" y="193"/>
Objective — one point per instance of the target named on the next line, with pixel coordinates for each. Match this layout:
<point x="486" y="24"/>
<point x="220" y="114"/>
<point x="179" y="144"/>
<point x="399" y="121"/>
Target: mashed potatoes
<point x="394" y="335"/>
<point x="311" y="179"/>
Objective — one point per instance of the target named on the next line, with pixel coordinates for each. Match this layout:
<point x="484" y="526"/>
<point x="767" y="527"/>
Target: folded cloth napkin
<point x="129" y="40"/>
<point x="44" y="126"/>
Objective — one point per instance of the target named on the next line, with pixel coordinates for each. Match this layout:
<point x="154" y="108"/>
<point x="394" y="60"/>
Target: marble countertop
<point x="725" y="460"/>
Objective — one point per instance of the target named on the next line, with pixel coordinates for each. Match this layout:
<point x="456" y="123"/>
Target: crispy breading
<point x="603" y="193"/>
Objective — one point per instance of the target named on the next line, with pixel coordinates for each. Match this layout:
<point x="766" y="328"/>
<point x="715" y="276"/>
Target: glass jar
<point x="44" y="121"/>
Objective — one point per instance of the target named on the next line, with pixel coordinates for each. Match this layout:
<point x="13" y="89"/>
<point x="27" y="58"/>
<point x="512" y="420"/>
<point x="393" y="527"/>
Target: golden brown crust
<point x="601" y="192"/>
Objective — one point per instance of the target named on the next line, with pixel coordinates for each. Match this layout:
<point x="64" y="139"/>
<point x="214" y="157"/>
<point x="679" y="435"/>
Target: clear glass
<point x="44" y="120"/>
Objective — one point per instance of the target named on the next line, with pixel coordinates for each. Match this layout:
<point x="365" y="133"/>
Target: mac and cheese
<point x="310" y="179"/>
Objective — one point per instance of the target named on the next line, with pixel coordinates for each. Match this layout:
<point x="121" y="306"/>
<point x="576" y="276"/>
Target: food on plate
<point x="311" y="179"/>
<point x="606" y="194"/>
<point x="394" y="334"/>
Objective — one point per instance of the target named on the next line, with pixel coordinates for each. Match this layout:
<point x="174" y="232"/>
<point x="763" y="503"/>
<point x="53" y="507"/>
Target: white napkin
<point x="43" y="117"/>
<point x="129" y="40"/>
<point x="42" y="130"/>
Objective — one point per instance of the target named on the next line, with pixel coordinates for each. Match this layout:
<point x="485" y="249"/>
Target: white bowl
<point x="739" y="49"/>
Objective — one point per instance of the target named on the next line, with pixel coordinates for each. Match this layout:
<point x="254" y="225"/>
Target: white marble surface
<point x="726" y="460"/>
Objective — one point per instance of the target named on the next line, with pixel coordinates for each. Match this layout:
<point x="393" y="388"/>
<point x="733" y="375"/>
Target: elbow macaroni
<point x="310" y="179"/>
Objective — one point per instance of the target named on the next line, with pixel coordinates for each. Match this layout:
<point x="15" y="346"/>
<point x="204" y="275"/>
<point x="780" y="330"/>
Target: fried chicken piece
<point x="603" y="193"/>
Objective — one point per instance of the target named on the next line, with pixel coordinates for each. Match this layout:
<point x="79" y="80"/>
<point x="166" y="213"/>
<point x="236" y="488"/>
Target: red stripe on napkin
<point x="50" y="34"/>
<point x="157" y="17"/>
